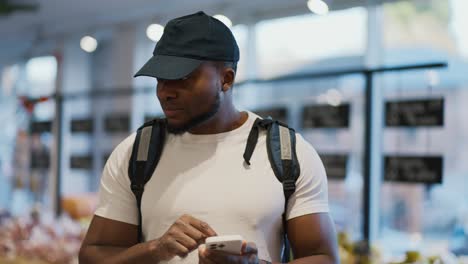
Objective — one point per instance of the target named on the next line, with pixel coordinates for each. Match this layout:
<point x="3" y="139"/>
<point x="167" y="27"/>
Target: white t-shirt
<point x="205" y="176"/>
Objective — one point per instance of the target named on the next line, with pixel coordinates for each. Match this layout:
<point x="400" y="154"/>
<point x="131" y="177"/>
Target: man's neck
<point x="223" y="121"/>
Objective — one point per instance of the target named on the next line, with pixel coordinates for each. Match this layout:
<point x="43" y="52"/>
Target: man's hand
<point x="248" y="255"/>
<point x="184" y="236"/>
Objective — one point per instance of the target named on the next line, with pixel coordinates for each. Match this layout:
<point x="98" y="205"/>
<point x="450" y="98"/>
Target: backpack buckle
<point x="289" y="185"/>
<point x="264" y="123"/>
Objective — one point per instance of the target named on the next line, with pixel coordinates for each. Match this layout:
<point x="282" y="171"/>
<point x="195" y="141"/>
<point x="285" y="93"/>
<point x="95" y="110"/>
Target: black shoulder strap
<point x="253" y="137"/>
<point x="281" y="145"/>
<point x="146" y="152"/>
<point x="281" y="148"/>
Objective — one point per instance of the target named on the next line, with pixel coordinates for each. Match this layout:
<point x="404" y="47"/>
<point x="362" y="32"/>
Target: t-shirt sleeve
<point x="311" y="195"/>
<point x="116" y="200"/>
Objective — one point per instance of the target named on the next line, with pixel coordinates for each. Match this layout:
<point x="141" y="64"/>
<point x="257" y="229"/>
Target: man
<point x="201" y="186"/>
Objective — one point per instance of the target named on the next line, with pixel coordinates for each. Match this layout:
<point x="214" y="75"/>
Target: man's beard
<point x="197" y="120"/>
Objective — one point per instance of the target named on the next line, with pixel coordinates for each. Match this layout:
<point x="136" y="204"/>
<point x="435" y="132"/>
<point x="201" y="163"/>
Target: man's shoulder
<point x="123" y="151"/>
<point x="127" y="143"/>
<point x="306" y="151"/>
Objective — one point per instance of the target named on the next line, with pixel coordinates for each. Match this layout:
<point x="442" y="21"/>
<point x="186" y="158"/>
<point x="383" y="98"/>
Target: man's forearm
<point x="139" y="253"/>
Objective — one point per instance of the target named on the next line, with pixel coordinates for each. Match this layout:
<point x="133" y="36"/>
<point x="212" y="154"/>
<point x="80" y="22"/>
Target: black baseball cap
<point x="187" y="42"/>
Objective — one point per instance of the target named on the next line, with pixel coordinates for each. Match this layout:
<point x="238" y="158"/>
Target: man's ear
<point x="228" y="78"/>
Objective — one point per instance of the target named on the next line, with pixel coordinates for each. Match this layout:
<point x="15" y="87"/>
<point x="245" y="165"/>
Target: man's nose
<point x="167" y="89"/>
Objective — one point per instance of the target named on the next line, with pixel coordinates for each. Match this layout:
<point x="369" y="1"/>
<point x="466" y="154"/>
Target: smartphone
<point x="230" y="244"/>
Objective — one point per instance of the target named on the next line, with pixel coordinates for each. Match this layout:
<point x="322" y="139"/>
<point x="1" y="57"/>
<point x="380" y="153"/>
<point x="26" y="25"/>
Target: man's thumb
<point x="249" y="248"/>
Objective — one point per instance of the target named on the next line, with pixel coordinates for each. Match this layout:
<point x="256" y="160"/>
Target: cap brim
<point x="168" y="67"/>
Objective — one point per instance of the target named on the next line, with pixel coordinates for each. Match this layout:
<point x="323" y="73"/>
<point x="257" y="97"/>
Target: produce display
<point x="359" y="253"/>
<point x="39" y="239"/>
<point x="356" y="252"/>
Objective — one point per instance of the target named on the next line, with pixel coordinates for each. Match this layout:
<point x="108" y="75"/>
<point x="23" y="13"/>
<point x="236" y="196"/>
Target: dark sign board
<point x="335" y="165"/>
<point x="117" y="123"/>
<point x="413" y="113"/>
<point x="277" y="113"/>
<point x="326" y="116"/>
<point x="40" y="159"/>
<point x="41" y="127"/>
<point x="84" y="162"/>
<point x="82" y="125"/>
<point x="414" y="169"/>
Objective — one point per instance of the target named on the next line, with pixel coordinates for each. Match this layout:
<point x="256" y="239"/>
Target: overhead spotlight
<point x="88" y="44"/>
<point x="154" y="32"/>
<point x="319" y="7"/>
<point x="226" y="21"/>
<point x="433" y="77"/>
<point x="333" y="97"/>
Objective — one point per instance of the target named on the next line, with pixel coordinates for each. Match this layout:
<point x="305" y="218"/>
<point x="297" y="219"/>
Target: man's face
<point x="190" y="102"/>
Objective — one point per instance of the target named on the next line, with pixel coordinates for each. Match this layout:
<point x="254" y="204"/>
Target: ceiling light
<point x="333" y="97"/>
<point x="154" y="32"/>
<point x="319" y="7"/>
<point x="88" y="44"/>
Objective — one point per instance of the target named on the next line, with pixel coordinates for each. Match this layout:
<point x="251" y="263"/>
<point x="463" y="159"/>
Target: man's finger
<point x="202" y="226"/>
<point x="186" y="241"/>
<point x="202" y="250"/>
<point x="203" y="259"/>
<point x="195" y="234"/>
<point x="179" y="249"/>
<point x="249" y="248"/>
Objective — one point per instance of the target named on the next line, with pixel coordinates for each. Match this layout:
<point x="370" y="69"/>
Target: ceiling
<point x="56" y="18"/>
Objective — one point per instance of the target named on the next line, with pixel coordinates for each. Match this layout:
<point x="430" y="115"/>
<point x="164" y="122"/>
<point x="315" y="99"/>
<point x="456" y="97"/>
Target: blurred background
<point x="379" y="87"/>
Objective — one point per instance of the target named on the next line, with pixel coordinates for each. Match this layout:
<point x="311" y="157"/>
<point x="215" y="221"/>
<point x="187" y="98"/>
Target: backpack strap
<point x="281" y="148"/>
<point x="146" y="152"/>
<point x="253" y="137"/>
<point x="281" y="145"/>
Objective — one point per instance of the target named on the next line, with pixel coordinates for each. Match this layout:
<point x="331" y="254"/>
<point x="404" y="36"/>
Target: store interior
<point x="378" y="87"/>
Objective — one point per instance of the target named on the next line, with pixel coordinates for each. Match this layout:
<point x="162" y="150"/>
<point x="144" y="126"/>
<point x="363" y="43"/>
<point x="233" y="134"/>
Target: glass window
<point x="458" y="23"/>
<point x="8" y="107"/>
<point x="240" y="33"/>
<point x="285" y="45"/>
<point x="9" y="77"/>
<point x="41" y="73"/>
<point x="335" y="129"/>
<point x="26" y="161"/>
<point x="427" y="218"/>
